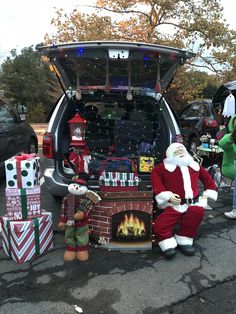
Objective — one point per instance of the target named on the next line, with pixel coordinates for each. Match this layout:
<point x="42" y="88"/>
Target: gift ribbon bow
<point x="36" y="236"/>
<point x="18" y="160"/>
<point x="23" y="196"/>
<point x="24" y="157"/>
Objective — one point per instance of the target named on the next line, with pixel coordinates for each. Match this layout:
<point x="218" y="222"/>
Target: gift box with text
<point x="23" y="203"/>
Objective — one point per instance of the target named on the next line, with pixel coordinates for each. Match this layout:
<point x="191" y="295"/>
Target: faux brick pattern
<point x="100" y="221"/>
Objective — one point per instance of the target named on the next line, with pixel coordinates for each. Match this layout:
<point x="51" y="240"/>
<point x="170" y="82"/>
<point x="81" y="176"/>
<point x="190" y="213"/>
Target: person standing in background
<point x="228" y="144"/>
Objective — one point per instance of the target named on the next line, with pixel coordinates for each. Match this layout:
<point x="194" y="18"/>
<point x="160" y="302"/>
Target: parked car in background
<point x="116" y="87"/>
<point x="16" y="135"/>
<point x="223" y="92"/>
<point x="196" y="119"/>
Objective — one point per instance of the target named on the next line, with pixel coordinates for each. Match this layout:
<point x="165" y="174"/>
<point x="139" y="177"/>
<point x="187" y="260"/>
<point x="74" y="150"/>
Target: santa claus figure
<point x="175" y="186"/>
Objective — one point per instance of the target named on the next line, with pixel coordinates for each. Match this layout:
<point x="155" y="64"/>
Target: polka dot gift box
<point x="22" y="171"/>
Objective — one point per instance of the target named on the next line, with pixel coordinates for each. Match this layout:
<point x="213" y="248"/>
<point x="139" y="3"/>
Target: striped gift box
<point x="27" y="239"/>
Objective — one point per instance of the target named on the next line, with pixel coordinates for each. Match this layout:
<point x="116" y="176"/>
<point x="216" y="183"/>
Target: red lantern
<point x="77" y="130"/>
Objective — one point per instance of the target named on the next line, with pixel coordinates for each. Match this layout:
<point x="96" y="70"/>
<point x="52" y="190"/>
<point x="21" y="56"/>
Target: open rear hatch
<point x="114" y="65"/>
<point x="223" y="91"/>
<point x="113" y="83"/>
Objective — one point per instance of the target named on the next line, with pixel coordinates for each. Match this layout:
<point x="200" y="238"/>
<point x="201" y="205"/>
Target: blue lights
<point x="80" y="52"/>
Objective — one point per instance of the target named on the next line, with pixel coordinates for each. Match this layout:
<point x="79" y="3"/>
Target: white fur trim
<point x="187" y="182"/>
<point x="194" y="165"/>
<point x="163" y="197"/>
<point x="180" y="208"/>
<point x="169" y="166"/>
<point x="212" y="194"/>
<point x="181" y="240"/>
<point x="166" y="244"/>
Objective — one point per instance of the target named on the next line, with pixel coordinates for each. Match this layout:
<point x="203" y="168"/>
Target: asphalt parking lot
<point x="126" y="282"/>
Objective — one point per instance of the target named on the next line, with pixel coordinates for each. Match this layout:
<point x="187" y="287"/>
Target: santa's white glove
<point x="202" y="201"/>
<point x="175" y="199"/>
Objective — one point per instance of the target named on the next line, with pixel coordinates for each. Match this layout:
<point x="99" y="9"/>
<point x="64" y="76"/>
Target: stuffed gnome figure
<point x="76" y="207"/>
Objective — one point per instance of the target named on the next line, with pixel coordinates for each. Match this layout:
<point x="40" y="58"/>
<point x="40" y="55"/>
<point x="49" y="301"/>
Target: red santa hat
<point x="81" y="179"/>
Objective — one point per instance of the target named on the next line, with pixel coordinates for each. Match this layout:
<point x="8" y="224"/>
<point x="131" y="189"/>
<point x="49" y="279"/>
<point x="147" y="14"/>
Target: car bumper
<point x="54" y="182"/>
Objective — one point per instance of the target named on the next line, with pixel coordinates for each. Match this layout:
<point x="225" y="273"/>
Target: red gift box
<point x="22" y="204"/>
<point x="27" y="239"/>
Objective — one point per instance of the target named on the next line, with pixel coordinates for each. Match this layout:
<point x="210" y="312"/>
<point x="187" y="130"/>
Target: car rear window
<point x="121" y="128"/>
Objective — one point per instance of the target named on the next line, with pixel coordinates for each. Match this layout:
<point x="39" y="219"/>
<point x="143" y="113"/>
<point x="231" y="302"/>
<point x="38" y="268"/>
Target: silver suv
<point x="116" y="87"/>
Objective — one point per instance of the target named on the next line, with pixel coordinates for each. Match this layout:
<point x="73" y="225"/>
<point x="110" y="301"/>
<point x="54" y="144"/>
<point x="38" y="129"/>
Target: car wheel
<point x="193" y="144"/>
<point x="33" y="146"/>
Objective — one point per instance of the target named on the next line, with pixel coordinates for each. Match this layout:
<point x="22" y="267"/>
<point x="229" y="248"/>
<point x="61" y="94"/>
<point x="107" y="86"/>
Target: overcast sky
<point x="25" y="22"/>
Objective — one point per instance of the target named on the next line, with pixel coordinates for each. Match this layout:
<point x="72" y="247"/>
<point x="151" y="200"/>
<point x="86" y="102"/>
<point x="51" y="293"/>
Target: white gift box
<point x="22" y="171"/>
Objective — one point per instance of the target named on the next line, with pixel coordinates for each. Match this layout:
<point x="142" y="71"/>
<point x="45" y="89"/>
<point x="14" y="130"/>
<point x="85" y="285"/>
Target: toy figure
<point x="74" y="218"/>
<point x="79" y="158"/>
<point x="175" y="186"/>
<point x="77" y="134"/>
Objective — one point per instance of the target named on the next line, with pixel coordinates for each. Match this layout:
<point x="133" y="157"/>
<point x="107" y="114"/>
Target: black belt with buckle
<point x="188" y="201"/>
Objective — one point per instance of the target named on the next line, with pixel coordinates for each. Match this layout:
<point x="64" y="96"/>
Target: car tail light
<point x="211" y="123"/>
<point x="178" y="138"/>
<point x="48" y="145"/>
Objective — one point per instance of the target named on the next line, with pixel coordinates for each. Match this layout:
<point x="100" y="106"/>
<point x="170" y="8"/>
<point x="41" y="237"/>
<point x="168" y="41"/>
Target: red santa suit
<point x="168" y="178"/>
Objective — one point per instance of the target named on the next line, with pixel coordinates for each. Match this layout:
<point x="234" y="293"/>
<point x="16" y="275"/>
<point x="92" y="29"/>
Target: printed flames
<point x="131" y="226"/>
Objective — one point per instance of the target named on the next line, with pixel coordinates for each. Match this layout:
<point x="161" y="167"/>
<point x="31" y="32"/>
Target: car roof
<point x="94" y="65"/>
<point x="222" y="91"/>
<point x="208" y="102"/>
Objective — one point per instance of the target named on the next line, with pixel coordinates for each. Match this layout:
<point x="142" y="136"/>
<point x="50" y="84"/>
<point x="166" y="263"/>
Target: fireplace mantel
<point x="137" y="195"/>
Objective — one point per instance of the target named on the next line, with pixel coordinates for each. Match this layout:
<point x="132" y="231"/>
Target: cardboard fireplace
<point x="123" y="220"/>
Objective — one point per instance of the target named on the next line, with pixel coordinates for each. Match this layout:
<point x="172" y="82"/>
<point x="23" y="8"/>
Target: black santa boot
<point x="187" y="250"/>
<point x="169" y="253"/>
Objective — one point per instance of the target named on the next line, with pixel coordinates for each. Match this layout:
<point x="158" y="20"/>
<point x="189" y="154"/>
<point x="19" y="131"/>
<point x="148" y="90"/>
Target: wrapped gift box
<point x="23" y="203"/>
<point x="27" y="239"/>
<point x="22" y="171"/>
<point x="118" y="181"/>
<point x="146" y="164"/>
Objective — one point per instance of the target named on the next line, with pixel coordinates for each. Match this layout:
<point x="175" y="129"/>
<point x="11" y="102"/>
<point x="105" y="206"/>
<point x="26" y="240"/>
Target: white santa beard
<point x="180" y="161"/>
